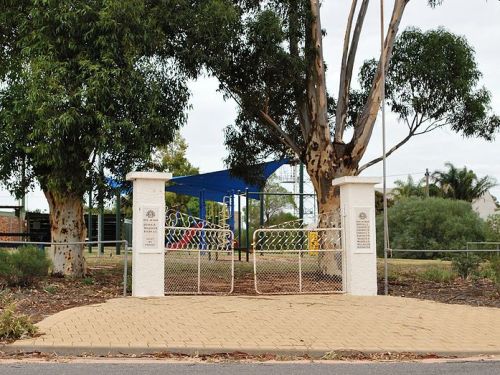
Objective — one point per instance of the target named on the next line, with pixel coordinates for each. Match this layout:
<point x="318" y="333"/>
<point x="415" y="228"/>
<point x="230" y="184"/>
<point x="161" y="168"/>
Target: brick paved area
<point x="312" y="324"/>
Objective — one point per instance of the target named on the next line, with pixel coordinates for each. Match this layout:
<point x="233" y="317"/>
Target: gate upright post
<point x="239" y="225"/>
<point x="247" y="224"/>
<point x="148" y="240"/>
<point x="357" y="201"/>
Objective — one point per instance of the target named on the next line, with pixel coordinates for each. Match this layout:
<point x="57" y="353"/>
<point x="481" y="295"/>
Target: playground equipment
<point x="185" y="232"/>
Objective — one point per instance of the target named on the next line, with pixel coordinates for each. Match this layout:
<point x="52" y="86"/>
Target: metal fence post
<point x="247" y="223"/>
<point x="118" y="225"/>
<point x="300" y="271"/>
<point x="199" y="270"/>
<point x="239" y="225"/>
<point x="89" y="231"/>
<point x="125" y="270"/>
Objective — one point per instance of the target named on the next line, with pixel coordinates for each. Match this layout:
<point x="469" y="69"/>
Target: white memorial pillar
<point x="357" y="201"/>
<point x="148" y="236"/>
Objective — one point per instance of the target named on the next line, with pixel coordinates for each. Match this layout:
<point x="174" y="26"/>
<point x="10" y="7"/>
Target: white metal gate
<point x="298" y="260"/>
<point x="199" y="260"/>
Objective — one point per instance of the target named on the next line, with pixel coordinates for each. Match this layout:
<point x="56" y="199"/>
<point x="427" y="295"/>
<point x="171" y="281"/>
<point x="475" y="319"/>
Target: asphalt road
<point x="454" y="368"/>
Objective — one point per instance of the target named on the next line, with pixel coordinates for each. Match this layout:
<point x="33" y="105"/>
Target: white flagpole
<point x="384" y="156"/>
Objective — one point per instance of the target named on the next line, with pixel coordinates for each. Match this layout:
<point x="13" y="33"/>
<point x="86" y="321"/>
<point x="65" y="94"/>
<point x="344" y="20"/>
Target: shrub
<point x="21" y="266"/>
<point x="495" y="267"/>
<point x="15" y="326"/>
<point x="493" y="223"/>
<point x="466" y="264"/>
<point x="430" y="224"/>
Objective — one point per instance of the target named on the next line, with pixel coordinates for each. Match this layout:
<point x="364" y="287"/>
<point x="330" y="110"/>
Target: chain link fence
<point x="298" y="260"/>
<point x="199" y="260"/>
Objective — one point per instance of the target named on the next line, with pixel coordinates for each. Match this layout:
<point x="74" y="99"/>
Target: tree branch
<point x="413" y="133"/>
<point x="348" y="59"/>
<point x="293" y="32"/>
<point x="388" y="153"/>
<point x="285" y="138"/>
<point x="266" y="120"/>
<point x="366" y="121"/>
<point x="316" y="85"/>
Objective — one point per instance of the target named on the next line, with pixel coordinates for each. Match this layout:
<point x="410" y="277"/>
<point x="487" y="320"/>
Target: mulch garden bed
<point x="480" y="292"/>
<point x="50" y="295"/>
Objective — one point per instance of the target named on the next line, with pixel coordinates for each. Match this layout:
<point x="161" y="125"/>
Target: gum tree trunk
<point x="328" y="201"/>
<point x="66" y="225"/>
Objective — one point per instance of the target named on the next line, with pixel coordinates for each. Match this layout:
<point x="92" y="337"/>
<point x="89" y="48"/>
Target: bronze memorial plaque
<point x="150" y="227"/>
<point x="363" y="230"/>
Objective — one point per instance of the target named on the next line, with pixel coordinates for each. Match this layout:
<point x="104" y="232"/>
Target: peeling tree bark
<point x="325" y="154"/>
<point x="324" y="161"/>
<point x="66" y="225"/>
<point x="366" y="121"/>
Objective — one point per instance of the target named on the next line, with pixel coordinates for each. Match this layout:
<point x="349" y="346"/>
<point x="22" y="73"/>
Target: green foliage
<point x="84" y="79"/>
<point x="88" y="281"/>
<point x="494" y="265"/>
<point x="462" y="183"/>
<point x="249" y="65"/>
<point x="438" y="275"/>
<point x="14" y="326"/>
<point x="50" y="289"/>
<point x="466" y="265"/>
<point x="454" y="183"/>
<point x="433" y="224"/>
<point x="172" y="158"/>
<point x="280" y="218"/>
<point x="22" y="266"/>
<point x="379" y="202"/>
<point x="275" y="206"/>
<point x="433" y="82"/>
<point x="408" y="188"/>
<point x="5" y="265"/>
<point x="493" y="223"/>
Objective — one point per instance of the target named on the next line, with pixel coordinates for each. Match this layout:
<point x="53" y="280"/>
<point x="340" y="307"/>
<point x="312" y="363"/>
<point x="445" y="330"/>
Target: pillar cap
<point x="355" y="180"/>
<point x="148" y="176"/>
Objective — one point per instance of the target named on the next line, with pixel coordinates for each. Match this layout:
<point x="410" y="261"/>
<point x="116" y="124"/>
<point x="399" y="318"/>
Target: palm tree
<point x="462" y="183"/>
<point x="409" y="188"/>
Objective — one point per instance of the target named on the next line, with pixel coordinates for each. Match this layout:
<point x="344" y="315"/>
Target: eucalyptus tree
<point x="432" y="82"/>
<point x="84" y="82"/>
<point x="274" y="68"/>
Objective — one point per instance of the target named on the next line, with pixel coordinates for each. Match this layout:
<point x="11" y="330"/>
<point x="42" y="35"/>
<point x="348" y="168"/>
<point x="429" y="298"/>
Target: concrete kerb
<point x="99" y="351"/>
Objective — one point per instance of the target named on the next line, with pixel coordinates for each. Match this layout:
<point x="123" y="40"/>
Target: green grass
<point x="438" y="275"/>
<point x="50" y="289"/>
<point x="426" y="269"/>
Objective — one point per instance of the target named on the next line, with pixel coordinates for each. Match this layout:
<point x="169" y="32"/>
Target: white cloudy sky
<point x="477" y="20"/>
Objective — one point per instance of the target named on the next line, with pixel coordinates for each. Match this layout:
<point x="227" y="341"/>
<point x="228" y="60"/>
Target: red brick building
<point x="10" y="223"/>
